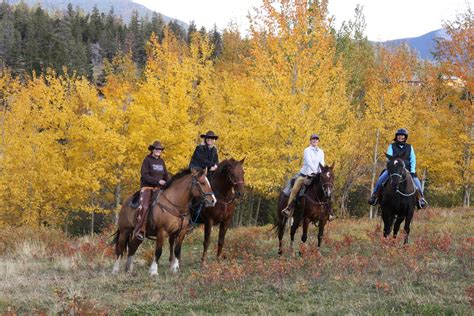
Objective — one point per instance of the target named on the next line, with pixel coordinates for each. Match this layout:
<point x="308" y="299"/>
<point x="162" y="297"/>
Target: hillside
<point x="123" y="8"/>
<point x="424" y="45"/>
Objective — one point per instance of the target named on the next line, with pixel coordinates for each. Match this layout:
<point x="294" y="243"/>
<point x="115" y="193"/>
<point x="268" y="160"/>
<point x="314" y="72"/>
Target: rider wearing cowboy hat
<point x="153" y="176"/>
<point x="205" y="155"/>
<point x="313" y="157"/>
<point x="399" y="147"/>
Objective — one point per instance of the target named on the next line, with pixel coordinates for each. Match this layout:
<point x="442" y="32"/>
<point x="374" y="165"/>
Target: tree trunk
<point x="372" y="212"/>
<point x="250" y="212"/>
<point x="118" y="191"/>
<point x="258" y="210"/>
<point x="92" y="223"/>
<point x="467" y="169"/>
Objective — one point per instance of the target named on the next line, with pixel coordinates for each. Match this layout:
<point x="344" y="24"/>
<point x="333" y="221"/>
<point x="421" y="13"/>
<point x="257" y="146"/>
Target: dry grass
<point x="357" y="272"/>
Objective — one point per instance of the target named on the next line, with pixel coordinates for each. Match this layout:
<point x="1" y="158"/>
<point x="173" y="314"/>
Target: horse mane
<point x="179" y="175"/>
<point x="224" y="164"/>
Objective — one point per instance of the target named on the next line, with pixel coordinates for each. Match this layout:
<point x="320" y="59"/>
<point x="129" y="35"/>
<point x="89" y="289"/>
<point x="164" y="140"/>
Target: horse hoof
<point x="154" y="273"/>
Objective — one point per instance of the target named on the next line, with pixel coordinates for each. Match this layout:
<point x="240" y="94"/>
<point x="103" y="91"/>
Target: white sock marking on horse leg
<point x="116" y="267"/>
<point x="174" y="267"/>
<point x="129" y="266"/>
<point x="154" y="268"/>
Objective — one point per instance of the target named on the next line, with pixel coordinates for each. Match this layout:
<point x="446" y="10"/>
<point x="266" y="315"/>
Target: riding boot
<point x="194" y="208"/>
<point x="420" y="200"/>
<point x="288" y="211"/>
<point x="140" y="228"/>
<point x="374" y="198"/>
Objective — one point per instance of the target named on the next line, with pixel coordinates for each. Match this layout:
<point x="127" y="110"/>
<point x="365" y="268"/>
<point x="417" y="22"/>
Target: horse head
<point x="233" y="171"/>
<point x="396" y="170"/>
<point x="326" y="179"/>
<point x="201" y="188"/>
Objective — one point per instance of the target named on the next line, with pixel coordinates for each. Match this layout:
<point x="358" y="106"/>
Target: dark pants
<point x="146" y="195"/>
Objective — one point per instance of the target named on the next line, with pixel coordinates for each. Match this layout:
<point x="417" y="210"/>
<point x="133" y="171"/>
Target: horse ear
<point x="205" y="171"/>
<point x="389" y="157"/>
<point x="321" y="166"/>
<point x="242" y="161"/>
<point x="332" y="165"/>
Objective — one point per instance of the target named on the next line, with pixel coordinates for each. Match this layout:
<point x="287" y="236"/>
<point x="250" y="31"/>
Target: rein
<point x="401" y="176"/>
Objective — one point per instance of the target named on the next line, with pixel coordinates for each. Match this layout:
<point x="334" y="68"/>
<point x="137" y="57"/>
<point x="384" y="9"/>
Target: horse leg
<point x="387" y="224"/>
<point x="281" y="231"/>
<point x="120" y="248"/>
<point x="220" y="243"/>
<point x="294" y="227"/>
<point x="396" y="226"/>
<point x="321" y="232"/>
<point x="133" y="244"/>
<point x="158" y="250"/>
<point x="304" y="236"/>
<point x="207" y="238"/>
<point x="407" y="228"/>
<point x="174" y="267"/>
<point x="171" y="240"/>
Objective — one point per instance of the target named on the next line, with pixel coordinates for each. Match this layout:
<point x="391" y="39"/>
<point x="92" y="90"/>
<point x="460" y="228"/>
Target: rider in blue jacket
<point x="398" y="148"/>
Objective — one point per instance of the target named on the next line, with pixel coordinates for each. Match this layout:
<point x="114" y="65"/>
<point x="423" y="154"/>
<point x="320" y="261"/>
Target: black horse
<point x="398" y="198"/>
<point x="312" y="207"/>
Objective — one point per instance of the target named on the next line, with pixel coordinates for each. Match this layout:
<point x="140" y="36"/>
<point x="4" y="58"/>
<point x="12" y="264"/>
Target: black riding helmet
<point x="401" y="131"/>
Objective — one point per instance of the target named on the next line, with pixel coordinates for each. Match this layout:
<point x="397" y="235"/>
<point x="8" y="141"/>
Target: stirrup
<point x="287" y="211"/>
<point x="140" y="235"/>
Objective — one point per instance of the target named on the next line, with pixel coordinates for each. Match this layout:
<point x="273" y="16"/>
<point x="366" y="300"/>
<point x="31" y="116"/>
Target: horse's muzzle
<point x="210" y="200"/>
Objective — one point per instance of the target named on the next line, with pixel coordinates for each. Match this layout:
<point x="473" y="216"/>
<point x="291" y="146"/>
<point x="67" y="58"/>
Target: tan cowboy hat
<point x="156" y="145"/>
<point x="209" y="134"/>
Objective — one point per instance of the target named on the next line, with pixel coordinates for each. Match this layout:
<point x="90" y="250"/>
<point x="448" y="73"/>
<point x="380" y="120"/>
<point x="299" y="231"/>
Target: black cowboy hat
<point x="156" y="145"/>
<point x="209" y="134"/>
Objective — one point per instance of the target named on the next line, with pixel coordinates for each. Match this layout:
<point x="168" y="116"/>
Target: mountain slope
<point x="123" y="8"/>
<point x="424" y="44"/>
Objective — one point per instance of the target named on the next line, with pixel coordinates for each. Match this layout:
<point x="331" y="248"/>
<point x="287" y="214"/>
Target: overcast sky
<point x="386" y="19"/>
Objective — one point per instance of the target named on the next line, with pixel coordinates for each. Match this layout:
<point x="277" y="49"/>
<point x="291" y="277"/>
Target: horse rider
<point x="154" y="175"/>
<point x="205" y="154"/>
<point x="313" y="156"/>
<point x="399" y="147"/>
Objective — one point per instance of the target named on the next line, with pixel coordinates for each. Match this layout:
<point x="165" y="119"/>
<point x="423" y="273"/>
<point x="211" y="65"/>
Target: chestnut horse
<point x="398" y="200"/>
<point x="169" y="216"/>
<point x="313" y="206"/>
<point x="227" y="184"/>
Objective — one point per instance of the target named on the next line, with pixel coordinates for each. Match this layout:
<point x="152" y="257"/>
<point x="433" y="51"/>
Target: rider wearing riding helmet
<point x="399" y="147"/>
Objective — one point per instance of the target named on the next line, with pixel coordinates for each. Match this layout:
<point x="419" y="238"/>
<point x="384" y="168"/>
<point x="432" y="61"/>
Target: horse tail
<point x="115" y="239"/>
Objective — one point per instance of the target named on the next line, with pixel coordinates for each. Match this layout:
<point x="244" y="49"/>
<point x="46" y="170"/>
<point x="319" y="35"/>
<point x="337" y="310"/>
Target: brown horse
<point x="313" y="206"/>
<point x="228" y="184"/>
<point x="169" y="216"/>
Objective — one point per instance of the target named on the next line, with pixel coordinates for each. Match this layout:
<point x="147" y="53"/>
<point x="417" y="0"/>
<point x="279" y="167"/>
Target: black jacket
<point x="204" y="157"/>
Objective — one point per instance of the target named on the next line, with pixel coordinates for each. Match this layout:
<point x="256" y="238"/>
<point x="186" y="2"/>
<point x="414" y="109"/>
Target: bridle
<point x="402" y="176"/>
<point x="202" y="193"/>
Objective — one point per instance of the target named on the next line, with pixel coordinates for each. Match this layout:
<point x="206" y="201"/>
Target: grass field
<point x="357" y="272"/>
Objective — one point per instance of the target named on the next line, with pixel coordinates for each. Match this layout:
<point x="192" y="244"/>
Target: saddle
<point x="135" y="202"/>
<point x="291" y="182"/>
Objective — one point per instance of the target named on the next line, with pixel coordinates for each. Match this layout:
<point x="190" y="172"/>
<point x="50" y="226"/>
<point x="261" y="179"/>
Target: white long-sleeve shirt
<point x="313" y="156"/>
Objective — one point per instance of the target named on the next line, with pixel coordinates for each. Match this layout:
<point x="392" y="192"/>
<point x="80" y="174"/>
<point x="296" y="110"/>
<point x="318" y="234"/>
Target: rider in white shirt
<point x="313" y="156"/>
